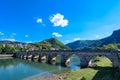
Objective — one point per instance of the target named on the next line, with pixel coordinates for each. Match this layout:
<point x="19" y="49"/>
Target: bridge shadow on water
<point x="106" y="73"/>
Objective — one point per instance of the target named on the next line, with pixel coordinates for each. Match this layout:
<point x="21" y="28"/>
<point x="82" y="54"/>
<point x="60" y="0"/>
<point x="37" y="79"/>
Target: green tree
<point x="1" y="48"/>
<point x="109" y="47"/>
<point x="83" y="78"/>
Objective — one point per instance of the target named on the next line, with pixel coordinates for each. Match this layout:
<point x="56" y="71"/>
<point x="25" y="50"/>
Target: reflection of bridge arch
<point x="75" y="62"/>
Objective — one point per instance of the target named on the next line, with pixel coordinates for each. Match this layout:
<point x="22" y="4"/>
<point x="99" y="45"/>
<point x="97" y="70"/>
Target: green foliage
<point x="83" y="78"/>
<point x="80" y="44"/>
<point x="1" y="48"/>
<point x="111" y="47"/>
<point x="51" y="43"/>
<point x="7" y="49"/>
<point x="48" y="44"/>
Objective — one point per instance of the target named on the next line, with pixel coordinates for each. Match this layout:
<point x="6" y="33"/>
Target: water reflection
<point x="17" y="69"/>
<point x="75" y="62"/>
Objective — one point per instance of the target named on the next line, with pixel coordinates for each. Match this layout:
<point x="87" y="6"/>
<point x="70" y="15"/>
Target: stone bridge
<point x="84" y="56"/>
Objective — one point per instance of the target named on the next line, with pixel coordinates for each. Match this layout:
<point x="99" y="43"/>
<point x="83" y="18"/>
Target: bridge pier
<point x="119" y="67"/>
<point x="65" y="60"/>
<point x="24" y="56"/>
<point x="85" y="61"/>
<point x="21" y="57"/>
<point x="52" y="58"/>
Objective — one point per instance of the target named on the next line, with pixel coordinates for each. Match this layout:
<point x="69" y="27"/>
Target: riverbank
<point x="103" y="71"/>
<point x="6" y="55"/>
<point x="60" y="76"/>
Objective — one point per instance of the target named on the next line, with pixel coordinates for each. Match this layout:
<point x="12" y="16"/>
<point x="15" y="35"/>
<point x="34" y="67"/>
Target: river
<point x="17" y="69"/>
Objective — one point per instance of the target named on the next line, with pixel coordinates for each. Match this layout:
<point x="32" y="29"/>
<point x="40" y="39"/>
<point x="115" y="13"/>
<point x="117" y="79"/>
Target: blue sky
<point x="66" y="20"/>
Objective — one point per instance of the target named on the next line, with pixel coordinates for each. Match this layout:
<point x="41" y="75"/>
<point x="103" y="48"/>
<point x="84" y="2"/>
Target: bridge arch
<point x="109" y="57"/>
<point x="29" y="55"/>
<point x="35" y="56"/>
<point x="68" y="60"/>
<point x="43" y="57"/>
<point x="52" y="58"/>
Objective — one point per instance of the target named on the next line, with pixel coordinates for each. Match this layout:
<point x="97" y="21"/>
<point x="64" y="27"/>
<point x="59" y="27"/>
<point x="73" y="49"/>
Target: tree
<point x="1" y="48"/>
<point x="7" y="49"/>
<point x="109" y="47"/>
<point x="83" y="78"/>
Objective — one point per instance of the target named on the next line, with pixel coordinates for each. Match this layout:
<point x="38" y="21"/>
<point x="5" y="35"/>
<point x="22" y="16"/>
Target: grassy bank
<point x="103" y="71"/>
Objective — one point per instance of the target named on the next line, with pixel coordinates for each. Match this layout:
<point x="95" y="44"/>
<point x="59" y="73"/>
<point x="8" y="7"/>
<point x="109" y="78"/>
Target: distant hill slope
<point x="114" y="38"/>
<point x="10" y="42"/>
<point x="51" y="43"/>
<point x="48" y="44"/>
<point x="80" y="44"/>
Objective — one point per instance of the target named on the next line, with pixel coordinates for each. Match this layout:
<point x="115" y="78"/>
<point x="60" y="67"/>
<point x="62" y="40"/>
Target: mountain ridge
<point x="112" y="39"/>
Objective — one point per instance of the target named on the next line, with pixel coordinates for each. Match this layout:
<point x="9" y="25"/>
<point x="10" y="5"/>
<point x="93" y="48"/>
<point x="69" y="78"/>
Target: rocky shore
<point x="54" y="77"/>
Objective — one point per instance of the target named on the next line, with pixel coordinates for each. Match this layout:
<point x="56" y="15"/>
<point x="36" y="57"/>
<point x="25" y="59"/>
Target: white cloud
<point x="9" y="39"/>
<point x="97" y="36"/>
<point x="56" y="34"/>
<point x="26" y="36"/>
<point x="58" y="20"/>
<point x="13" y="34"/>
<point x="107" y="33"/>
<point x="1" y="33"/>
<point x="29" y="42"/>
<point x="75" y="39"/>
<point x="39" y="20"/>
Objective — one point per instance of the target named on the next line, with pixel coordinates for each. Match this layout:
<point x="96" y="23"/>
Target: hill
<point x="94" y="44"/>
<point x="80" y="44"/>
<point x="51" y="43"/>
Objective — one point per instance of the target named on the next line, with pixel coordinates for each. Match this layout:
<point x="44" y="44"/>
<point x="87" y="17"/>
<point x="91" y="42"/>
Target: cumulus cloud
<point x="26" y="36"/>
<point x="39" y="20"/>
<point x="9" y="39"/>
<point x="97" y="36"/>
<point x="75" y="39"/>
<point x="1" y="33"/>
<point x="58" y="20"/>
<point x="56" y="34"/>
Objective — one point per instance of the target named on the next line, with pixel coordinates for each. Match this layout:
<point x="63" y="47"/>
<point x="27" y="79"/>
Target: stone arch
<point x="52" y="58"/>
<point x="43" y="57"/>
<point x="68" y="58"/>
<point x="110" y="57"/>
<point x="29" y="55"/>
<point x="35" y="56"/>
